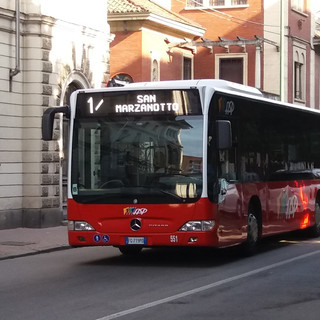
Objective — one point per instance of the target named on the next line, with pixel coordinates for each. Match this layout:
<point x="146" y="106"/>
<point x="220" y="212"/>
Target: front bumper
<point x="94" y="238"/>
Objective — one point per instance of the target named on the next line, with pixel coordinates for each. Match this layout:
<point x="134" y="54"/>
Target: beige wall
<point x="271" y="53"/>
<point x="57" y="48"/>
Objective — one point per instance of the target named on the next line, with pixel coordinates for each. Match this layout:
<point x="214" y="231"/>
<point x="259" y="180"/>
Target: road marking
<point x="206" y="287"/>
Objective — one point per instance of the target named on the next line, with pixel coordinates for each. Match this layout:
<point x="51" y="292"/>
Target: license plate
<point x="136" y="240"/>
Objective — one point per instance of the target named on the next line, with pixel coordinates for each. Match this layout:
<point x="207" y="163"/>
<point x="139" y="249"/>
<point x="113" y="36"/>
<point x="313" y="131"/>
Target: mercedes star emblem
<point x="135" y="224"/>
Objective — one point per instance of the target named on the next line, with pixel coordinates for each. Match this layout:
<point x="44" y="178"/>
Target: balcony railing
<point x="215" y="3"/>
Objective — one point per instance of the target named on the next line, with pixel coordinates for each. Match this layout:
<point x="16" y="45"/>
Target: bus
<point x="190" y="163"/>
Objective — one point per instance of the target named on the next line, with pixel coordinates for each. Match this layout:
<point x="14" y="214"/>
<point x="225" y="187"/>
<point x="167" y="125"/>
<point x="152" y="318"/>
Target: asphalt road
<point x="282" y="282"/>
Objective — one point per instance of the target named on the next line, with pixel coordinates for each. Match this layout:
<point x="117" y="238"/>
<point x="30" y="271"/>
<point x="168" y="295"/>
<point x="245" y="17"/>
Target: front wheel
<point x="315" y="229"/>
<point x="130" y="250"/>
<point x="250" y="245"/>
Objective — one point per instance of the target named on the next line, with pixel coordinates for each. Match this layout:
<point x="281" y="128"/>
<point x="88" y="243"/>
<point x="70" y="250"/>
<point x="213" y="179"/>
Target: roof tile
<point x="146" y="6"/>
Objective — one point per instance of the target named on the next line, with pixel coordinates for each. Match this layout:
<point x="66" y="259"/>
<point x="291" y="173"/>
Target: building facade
<point x="145" y="36"/>
<point x="283" y="62"/>
<point x="267" y="44"/>
<point x="293" y="73"/>
<point x="48" y="49"/>
<point x="231" y="48"/>
<point x="46" y="52"/>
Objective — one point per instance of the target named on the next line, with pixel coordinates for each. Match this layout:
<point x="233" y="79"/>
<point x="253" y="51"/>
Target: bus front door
<point x="230" y="230"/>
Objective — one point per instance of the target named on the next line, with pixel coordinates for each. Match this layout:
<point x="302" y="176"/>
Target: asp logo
<point x="229" y="108"/>
<point x="226" y="106"/>
<point x="133" y="211"/>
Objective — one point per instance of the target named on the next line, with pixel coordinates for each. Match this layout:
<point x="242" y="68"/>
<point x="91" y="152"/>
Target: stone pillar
<point x="40" y="161"/>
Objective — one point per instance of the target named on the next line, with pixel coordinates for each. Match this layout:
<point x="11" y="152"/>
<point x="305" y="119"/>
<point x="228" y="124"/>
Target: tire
<point x="314" y="231"/>
<point x="251" y="244"/>
<point x="130" y="250"/>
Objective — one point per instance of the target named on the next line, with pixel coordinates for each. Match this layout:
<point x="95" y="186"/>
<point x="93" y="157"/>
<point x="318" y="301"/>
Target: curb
<point x="35" y="252"/>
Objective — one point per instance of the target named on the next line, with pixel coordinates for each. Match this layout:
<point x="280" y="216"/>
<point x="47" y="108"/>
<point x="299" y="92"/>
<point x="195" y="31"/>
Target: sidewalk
<point x="26" y="241"/>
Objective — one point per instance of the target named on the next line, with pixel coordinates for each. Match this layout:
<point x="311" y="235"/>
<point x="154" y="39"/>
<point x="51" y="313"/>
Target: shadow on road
<point x="198" y="257"/>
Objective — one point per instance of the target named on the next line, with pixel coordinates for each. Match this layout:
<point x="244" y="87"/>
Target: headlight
<point x="200" y="225"/>
<point x="79" y="226"/>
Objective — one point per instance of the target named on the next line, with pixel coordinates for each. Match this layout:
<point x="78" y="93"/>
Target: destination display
<point x="99" y="104"/>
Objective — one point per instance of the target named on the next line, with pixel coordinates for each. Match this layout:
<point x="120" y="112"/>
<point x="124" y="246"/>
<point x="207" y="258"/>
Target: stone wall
<point x="54" y="53"/>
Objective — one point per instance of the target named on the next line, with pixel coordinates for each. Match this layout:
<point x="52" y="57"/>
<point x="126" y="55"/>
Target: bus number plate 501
<point x="136" y="240"/>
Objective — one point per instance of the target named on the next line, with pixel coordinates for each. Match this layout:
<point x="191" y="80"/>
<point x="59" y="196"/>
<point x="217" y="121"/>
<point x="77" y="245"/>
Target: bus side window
<point x="252" y="156"/>
<point x="227" y="165"/>
<point x="224" y="134"/>
<point x="227" y="149"/>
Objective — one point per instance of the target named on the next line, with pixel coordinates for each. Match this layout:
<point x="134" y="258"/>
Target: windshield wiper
<point x="163" y="191"/>
<point x="94" y="198"/>
<point x="173" y="195"/>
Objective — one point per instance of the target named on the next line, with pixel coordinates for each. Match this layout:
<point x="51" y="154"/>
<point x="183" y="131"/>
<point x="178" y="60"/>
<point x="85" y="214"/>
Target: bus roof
<point x="217" y="84"/>
<point x="222" y="86"/>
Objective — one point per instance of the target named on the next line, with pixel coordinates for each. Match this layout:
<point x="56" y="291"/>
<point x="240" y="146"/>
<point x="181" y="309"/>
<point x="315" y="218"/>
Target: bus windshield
<point x="137" y="159"/>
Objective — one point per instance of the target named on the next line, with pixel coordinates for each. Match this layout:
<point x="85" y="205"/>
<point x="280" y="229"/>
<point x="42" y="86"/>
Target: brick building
<point x="284" y="64"/>
<point x="144" y="36"/>
<point x="230" y="48"/>
<point x="268" y="44"/>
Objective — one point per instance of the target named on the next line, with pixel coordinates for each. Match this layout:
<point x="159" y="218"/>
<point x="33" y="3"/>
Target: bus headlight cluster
<point x="198" y="225"/>
<point x="79" y="226"/>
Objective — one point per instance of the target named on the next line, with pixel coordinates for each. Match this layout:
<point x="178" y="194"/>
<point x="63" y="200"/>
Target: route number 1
<point x="91" y="108"/>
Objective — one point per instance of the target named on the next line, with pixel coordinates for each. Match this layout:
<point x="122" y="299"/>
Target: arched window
<point x="155" y="70"/>
<point x="299" y="76"/>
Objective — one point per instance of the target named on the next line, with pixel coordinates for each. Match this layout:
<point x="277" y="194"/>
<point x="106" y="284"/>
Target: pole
<point x="281" y="50"/>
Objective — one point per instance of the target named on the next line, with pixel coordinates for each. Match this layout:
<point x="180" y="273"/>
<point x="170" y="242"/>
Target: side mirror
<point x="48" y="118"/>
<point x="224" y="134"/>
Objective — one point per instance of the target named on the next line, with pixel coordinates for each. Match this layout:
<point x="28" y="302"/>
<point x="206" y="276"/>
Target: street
<point x="282" y="282"/>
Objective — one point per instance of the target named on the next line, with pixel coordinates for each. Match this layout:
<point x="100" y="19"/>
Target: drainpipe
<point x="14" y="72"/>
<point x="282" y="51"/>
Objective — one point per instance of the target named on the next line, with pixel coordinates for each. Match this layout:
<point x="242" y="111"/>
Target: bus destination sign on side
<point x="178" y="102"/>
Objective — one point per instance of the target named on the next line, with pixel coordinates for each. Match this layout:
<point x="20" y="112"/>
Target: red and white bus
<point x="188" y="163"/>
